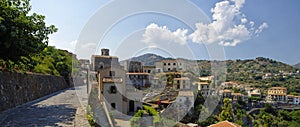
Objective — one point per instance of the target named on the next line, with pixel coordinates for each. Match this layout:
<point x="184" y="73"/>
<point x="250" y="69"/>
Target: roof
<point x="168" y="61"/>
<point x="276" y="93"/>
<point x="237" y="94"/>
<point x="225" y="124"/>
<point x="206" y="78"/>
<point x="227" y="91"/>
<point x="185" y="93"/>
<point x="102" y="56"/>
<point x="182" y="78"/>
<point x="165" y="101"/>
<point x="136" y="73"/>
<point x="275" y="88"/>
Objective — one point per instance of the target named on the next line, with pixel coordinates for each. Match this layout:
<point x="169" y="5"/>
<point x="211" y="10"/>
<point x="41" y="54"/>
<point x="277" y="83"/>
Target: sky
<point x="194" y="29"/>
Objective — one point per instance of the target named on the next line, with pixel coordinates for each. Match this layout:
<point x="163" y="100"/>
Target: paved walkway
<point x="57" y="109"/>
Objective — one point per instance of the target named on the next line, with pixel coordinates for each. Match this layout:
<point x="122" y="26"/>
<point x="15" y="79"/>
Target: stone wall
<point x="18" y="88"/>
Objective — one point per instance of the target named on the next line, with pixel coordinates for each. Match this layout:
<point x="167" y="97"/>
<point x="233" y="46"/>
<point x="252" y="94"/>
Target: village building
<point x="133" y="66"/>
<point x="229" y="85"/>
<point x="293" y="100"/>
<point x="254" y="92"/>
<point x="104" y="60"/>
<point x="226" y="93"/>
<point x="276" y="95"/>
<point x="138" y="80"/>
<point x="182" y="83"/>
<point x="206" y="78"/>
<point x="149" y="69"/>
<point x="236" y="96"/>
<point x="203" y="88"/>
<point x="171" y="65"/>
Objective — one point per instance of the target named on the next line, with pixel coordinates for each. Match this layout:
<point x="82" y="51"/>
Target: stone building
<point x="133" y="66"/>
<point x="104" y="60"/>
<point x="182" y="83"/>
<point x="138" y="80"/>
<point x="112" y="88"/>
<point x="149" y="69"/>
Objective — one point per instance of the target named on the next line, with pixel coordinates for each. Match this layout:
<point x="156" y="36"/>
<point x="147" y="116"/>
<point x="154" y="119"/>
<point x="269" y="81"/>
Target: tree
<point x="21" y="34"/>
<point x="226" y="113"/>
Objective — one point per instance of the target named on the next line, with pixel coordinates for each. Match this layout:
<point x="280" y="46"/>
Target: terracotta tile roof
<point x="225" y="124"/>
<point x="237" y="94"/>
<point x="276" y="93"/>
<point x="276" y="88"/>
<point x="227" y="91"/>
<point x="182" y="78"/>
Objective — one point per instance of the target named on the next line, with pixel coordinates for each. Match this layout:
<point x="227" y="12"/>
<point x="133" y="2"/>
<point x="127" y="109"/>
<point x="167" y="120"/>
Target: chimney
<point x="105" y="52"/>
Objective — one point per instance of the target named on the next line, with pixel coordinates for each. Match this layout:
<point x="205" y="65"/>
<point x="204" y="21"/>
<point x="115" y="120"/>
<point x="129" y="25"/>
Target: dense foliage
<point x="24" y="40"/>
<point x="270" y="117"/>
<point x="21" y="34"/>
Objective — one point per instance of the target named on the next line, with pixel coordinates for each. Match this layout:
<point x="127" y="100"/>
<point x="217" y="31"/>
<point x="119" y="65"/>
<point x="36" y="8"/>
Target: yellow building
<point x="276" y="94"/>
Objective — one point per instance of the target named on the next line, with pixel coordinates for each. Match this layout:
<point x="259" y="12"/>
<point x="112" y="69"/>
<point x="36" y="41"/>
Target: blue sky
<point x="279" y="41"/>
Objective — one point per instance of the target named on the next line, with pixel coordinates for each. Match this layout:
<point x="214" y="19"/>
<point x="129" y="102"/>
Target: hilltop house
<point x="276" y="94"/>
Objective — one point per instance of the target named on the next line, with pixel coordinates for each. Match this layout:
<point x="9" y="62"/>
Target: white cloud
<point x="244" y="20"/>
<point x="155" y="34"/>
<point x="225" y="28"/>
<point x="261" y="27"/>
<point x="228" y="28"/>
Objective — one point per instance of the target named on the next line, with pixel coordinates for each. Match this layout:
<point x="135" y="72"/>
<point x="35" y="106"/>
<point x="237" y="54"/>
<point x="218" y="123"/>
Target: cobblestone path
<point x="57" y="109"/>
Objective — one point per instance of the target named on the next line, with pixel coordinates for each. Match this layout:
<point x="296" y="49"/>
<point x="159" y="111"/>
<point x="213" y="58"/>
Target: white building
<point x="171" y="65"/>
<point x="292" y="99"/>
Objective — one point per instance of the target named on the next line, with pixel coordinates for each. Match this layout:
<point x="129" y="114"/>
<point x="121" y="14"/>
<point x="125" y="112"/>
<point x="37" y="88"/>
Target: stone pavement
<point x="57" y="109"/>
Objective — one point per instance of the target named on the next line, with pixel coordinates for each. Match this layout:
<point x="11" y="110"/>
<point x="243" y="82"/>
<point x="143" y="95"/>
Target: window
<point x="113" y="105"/>
<point x="149" y="71"/>
<point x="183" y="81"/>
<point x="165" y="64"/>
<point x="169" y="64"/>
<point x="174" y="64"/>
<point x="112" y="73"/>
<point x="113" y="89"/>
<point x="183" y="86"/>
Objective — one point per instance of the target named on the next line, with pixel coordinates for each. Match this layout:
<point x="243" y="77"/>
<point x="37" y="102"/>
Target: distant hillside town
<point x="172" y="88"/>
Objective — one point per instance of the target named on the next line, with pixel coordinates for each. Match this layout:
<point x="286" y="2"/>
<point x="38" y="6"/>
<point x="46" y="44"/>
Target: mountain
<point x="147" y="59"/>
<point x="297" y="65"/>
